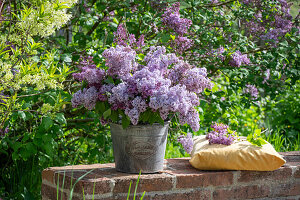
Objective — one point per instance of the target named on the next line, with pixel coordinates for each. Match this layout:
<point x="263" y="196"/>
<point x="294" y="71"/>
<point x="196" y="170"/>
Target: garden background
<point x="250" y="49"/>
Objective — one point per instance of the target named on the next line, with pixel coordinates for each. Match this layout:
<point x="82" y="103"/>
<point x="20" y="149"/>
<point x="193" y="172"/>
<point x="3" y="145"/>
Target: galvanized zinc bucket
<point x="140" y="147"/>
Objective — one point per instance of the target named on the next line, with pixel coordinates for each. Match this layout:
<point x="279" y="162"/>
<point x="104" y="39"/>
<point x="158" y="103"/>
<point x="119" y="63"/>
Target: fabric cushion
<point x="241" y="155"/>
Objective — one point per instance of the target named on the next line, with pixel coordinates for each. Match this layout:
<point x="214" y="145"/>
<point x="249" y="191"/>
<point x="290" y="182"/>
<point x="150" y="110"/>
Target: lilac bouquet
<point x="133" y="89"/>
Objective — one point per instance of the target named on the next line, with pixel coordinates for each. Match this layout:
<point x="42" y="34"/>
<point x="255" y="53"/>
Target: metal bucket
<point x="140" y="147"/>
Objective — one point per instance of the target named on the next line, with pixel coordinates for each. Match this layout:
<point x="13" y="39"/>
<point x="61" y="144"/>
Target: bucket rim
<point x="166" y="123"/>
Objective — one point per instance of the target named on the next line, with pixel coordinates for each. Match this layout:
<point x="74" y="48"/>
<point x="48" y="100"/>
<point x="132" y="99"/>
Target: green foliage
<point x="256" y="138"/>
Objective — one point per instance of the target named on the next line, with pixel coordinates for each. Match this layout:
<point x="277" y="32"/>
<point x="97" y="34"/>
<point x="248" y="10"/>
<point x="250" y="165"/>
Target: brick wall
<point x="178" y="181"/>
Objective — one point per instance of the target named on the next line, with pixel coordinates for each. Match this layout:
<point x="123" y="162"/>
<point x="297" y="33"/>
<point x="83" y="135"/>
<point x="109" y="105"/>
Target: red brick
<point x="148" y="183"/>
<point x="297" y="172"/>
<point x="51" y="193"/>
<point x="192" y="195"/>
<point x="291" y="156"/>
<point x="68" y="179"/>
<point x="242" y="192"/>
<point x="204" y="179"/>
<point x="282" y="173"/>
<point x="48" y="175"/>
<point x="178" y="163"/>
<point x="286" y="189"/>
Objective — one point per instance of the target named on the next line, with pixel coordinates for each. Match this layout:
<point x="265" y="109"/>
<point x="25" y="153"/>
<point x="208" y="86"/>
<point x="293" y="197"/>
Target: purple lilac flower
<point x="238" y="59"/>
<point x="220" y="128"/>
<point x="176" y="74"/>
<point x="133" y="114"/>
<point x="141" y="41"/>
<point x="252" y="90"/>
<point x="85" y="97"/>
<point x="132" y="39"/>
<point x="120" y="37"/>
<point x="78" y="98"/>
<point x="90" y="98"/>
<point x="196" y="81"/>
<point x="266" y="29"/>
<point x="89" y="72"/>
<point x="171" y="18"/>
<point x="220" y="135"/>
<point x="92" y="76"/>
<point x="280" y="27"/>
<point x="86" y="62"/>
<point x="187" y="142"/>
<point x="191" y="118"/>
<point x="181" y="44"/>
<point x="104" y="91"/>
<point x="120" y="60"/>
<point x="156" y="59"/>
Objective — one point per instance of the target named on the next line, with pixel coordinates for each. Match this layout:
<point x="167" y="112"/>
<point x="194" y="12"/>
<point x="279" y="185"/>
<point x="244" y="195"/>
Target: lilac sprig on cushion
<point x="220" y="135"/>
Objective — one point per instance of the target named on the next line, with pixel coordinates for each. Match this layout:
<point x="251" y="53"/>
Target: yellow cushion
<point x="241" y="155"/>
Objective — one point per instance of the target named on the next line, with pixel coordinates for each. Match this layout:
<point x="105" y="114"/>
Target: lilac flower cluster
<point x="238" y="59"/>
<point x="220" y="135"/>
<point x="171" y="19"/>
<point x="265" y="29"/>
<point x="280" y="27"/>
<point x="181" y="44"/>
<point x="252" y="90"/>
<point x="121" y="37"/>
<point x="157" y="59"/>
<point x="119" y="60"/>
<point x="87" y="97"/>
<point x="89" y="72"/>
<point x="165" y="84"/>
<point x="187" y="142"/>
<point x="195" y="79"/>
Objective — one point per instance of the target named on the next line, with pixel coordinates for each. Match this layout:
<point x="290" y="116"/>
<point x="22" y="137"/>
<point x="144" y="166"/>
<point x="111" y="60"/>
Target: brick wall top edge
<point x="173" y="167"/>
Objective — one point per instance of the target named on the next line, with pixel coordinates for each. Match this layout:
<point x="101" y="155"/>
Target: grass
<point x="83" y="194"/>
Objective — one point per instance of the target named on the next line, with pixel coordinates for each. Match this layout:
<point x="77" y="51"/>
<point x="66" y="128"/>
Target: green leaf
<point x="60" y="118"/>
<point x="165" y="37"/>
<point x="47" y="123"/>
<point x="257" y="133"/>
<point x="107" y="113"/>
<point x="256" y="139"/>
<point x="15" y="156"/>
<point x="22" y="115"/>
<point x="114" y="116"/>
<point x="125" y="122"/>
<point x="109" y="80"/>
<point x="184" y="5"/>
<point x="100" y="107"/>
